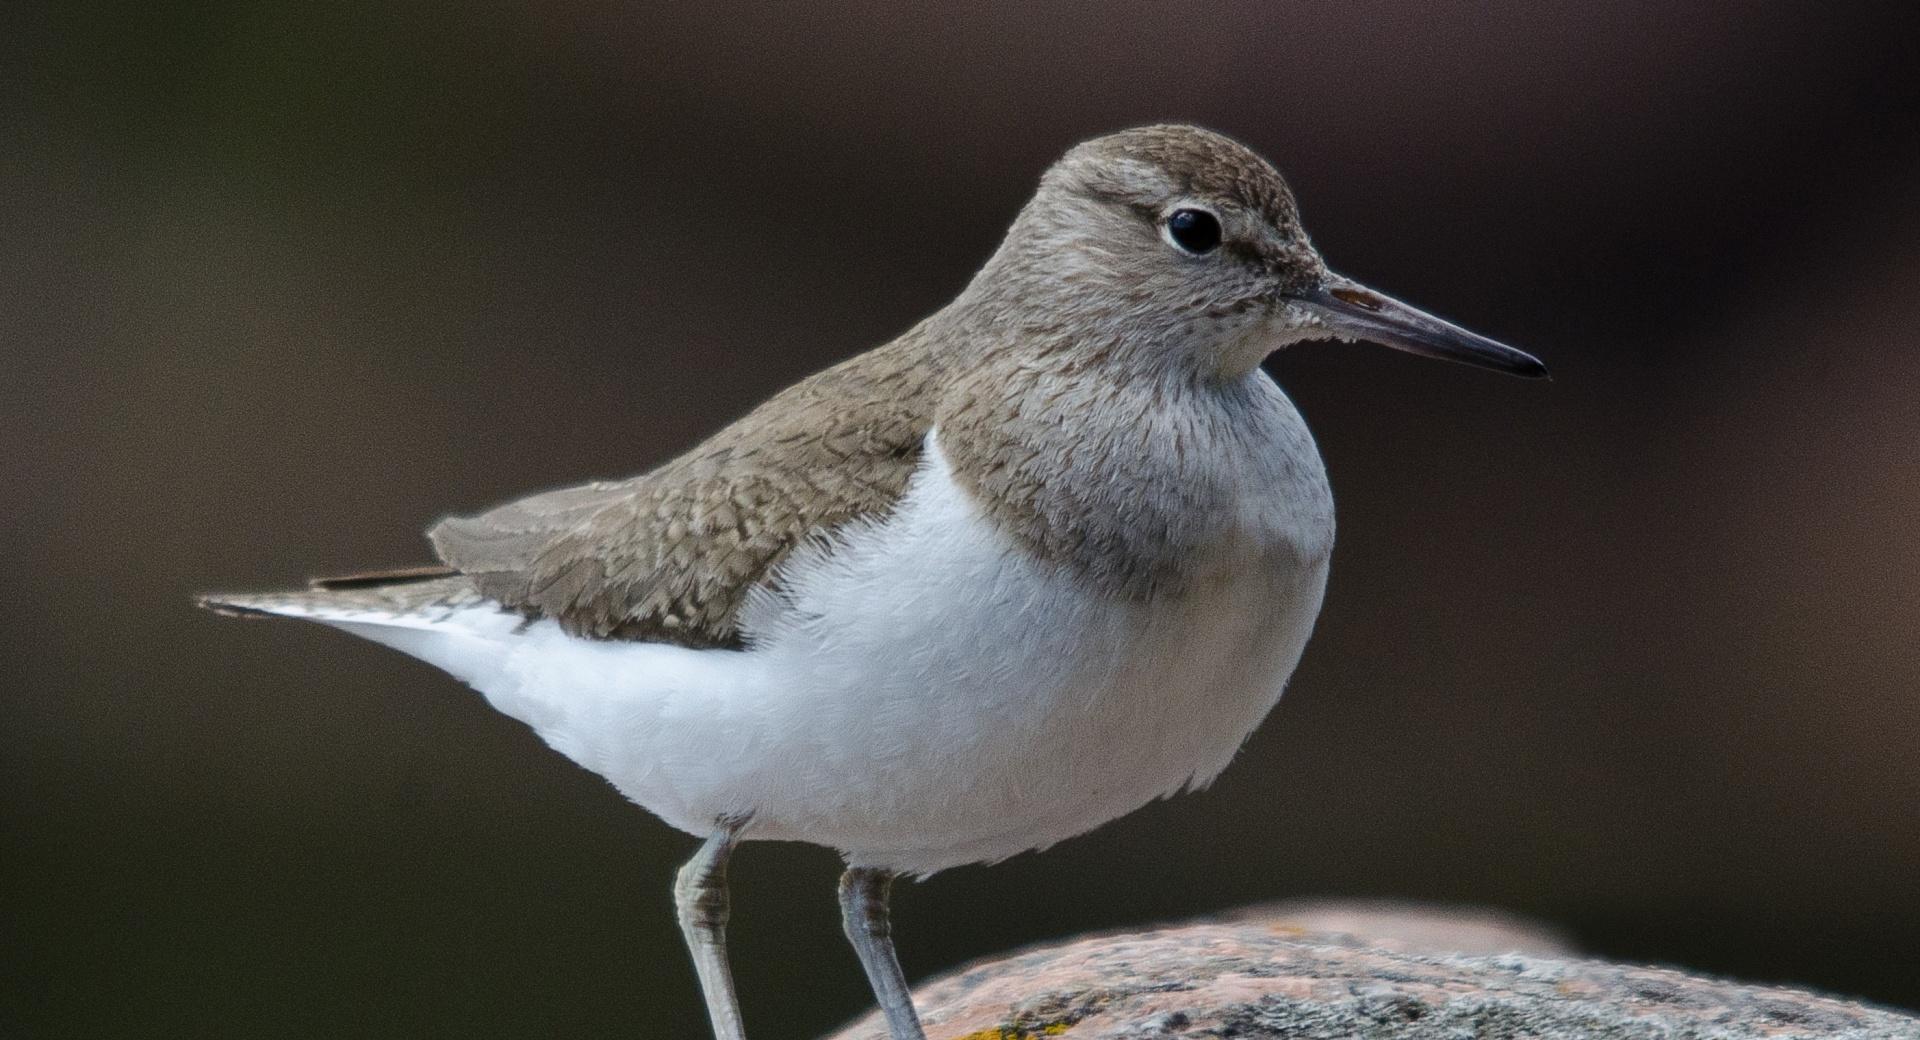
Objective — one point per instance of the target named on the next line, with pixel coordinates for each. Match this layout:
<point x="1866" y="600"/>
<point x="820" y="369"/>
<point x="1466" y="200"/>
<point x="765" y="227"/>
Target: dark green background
<point x="1633" y="651"/>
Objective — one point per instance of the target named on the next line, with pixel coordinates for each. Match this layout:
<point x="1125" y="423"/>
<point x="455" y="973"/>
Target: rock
<point x="1265" y="974"/>
<point x="1407" y="927"/>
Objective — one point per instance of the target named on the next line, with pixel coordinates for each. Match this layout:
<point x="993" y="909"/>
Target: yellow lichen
<point x="1019" y="1032"/>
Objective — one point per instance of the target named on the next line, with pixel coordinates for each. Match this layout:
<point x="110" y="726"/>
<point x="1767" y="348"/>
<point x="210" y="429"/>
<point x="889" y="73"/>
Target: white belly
<point x="924" y="695"/>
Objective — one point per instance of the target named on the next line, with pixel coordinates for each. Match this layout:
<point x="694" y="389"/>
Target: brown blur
<point x="1633" y="651"/>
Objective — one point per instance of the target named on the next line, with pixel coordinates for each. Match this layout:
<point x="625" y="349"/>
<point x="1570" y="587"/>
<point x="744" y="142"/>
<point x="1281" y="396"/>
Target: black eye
<point x="1194" y="230"/>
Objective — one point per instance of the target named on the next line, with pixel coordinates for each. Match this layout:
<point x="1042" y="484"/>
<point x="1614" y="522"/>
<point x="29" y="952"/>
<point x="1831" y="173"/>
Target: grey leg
<point x="700" y="892"/>
<point x="863" y="910"/>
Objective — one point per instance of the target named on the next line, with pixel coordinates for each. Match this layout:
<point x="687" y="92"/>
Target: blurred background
<point x="1633" y="651"/>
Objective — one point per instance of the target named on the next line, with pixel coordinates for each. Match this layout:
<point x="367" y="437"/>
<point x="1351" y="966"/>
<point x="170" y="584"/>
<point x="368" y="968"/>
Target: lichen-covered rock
<point x="1264" y="977"/>
<point x="1409" y="927"/>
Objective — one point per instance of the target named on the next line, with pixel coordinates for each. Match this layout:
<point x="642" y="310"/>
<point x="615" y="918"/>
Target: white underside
<point x="925" y="695"/>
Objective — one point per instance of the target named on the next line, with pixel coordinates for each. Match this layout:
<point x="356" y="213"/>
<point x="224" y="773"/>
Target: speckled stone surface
<point x="1266" y="977"/>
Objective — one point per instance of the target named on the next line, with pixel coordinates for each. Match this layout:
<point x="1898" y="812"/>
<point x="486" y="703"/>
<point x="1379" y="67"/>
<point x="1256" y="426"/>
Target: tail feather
<point x="389" y="576"/>
<point x="402" y="600"/>
<point x="441" y="620"/>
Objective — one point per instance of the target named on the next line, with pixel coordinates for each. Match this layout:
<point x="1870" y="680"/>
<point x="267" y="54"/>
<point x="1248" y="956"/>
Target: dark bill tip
<point x="1353" y="310"/>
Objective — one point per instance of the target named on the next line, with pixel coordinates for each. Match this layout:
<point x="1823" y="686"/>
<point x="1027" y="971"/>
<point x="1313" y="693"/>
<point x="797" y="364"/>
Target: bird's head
<point x="1184" y="247"/>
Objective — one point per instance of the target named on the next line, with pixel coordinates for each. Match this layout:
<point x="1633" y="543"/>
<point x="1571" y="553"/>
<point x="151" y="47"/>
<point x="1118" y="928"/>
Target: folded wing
<point x="673" y="555"/>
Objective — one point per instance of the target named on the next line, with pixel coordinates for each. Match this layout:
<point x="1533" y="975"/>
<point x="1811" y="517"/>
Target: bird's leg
<point x="700" y="893"/>
<point x="863" y="910"/>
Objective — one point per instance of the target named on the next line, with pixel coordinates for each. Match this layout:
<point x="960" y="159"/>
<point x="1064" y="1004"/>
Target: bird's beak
<point x="1352" y="310"/>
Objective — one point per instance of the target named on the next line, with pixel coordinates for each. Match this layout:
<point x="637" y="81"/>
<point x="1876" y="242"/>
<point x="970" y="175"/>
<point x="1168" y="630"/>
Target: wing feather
<point x="673" y="555"/>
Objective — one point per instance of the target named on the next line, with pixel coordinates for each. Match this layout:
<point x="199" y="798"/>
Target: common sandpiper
<point x="1049" y="555"/>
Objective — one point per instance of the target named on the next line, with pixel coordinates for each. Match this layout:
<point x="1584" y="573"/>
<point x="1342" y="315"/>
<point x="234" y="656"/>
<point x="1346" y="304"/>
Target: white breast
<point x="925" y="694"/>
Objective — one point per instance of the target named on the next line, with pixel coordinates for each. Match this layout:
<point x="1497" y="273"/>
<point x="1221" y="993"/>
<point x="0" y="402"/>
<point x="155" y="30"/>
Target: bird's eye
<point x="1193" y="230"/>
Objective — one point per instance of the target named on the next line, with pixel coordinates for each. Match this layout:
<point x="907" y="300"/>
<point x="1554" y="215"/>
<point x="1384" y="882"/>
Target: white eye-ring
<point x="1192" y="230"/>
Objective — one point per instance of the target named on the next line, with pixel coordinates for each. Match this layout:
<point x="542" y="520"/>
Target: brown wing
<point x="673" y="555"/>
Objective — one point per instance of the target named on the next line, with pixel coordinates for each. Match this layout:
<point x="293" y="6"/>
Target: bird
<point x="1048" y="556"/>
